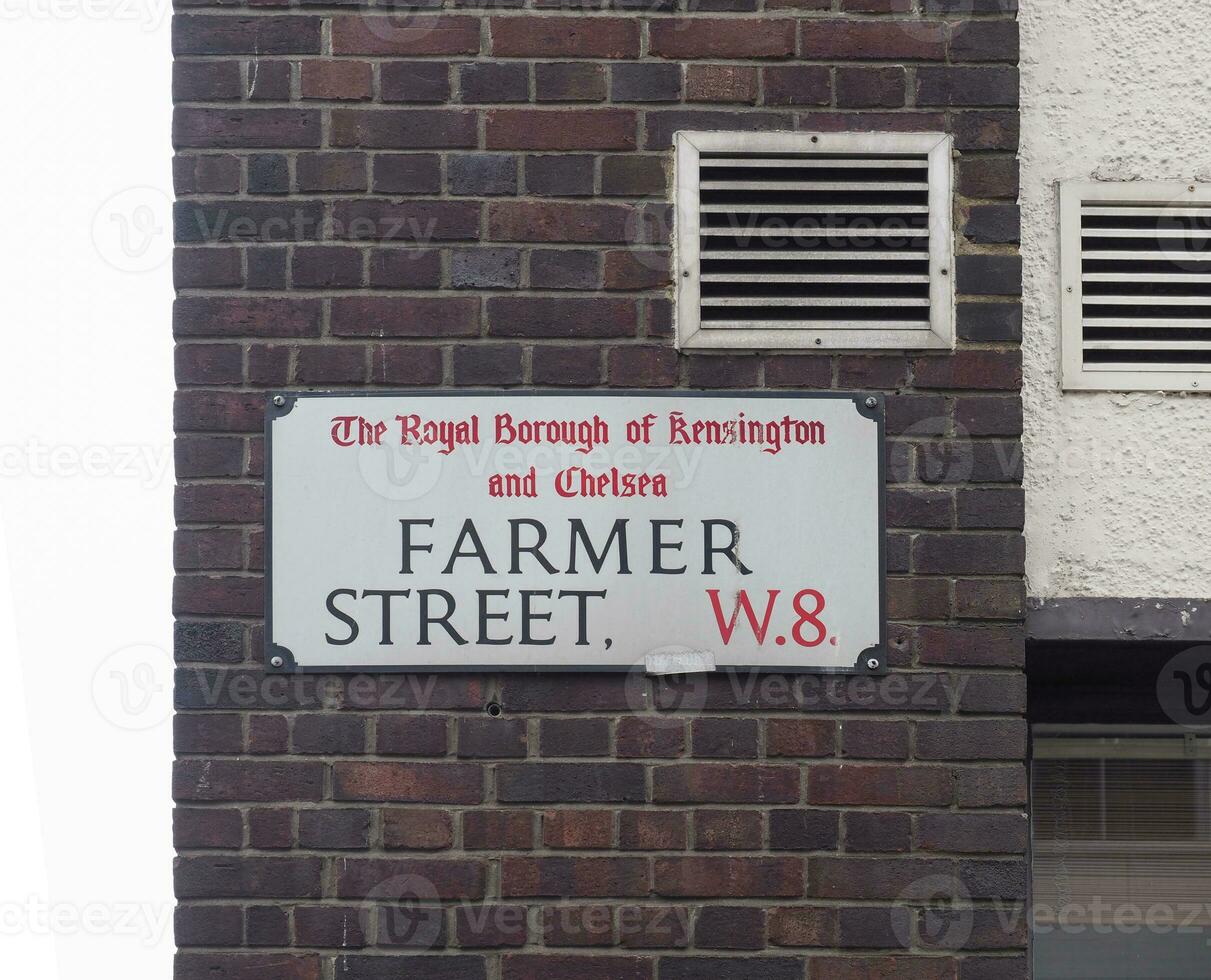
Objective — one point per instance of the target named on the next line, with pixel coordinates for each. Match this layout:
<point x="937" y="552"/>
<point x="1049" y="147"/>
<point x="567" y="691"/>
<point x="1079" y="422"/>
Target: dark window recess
<point x="1146" y="285"/>
<point x="820" y="240"/>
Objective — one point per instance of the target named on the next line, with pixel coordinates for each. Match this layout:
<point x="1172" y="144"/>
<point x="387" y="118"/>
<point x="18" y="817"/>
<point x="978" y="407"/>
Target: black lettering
<point x="468" y="531"/>
<point x="659" y="546"/>
<point x="617" y="533"/>
<point x="343" y="617"/>
<point x="485" y="616"/>
<point x="406" y="528"/>
<point x="427" y="620"/>
<point x="709" y="549"/>
<point x="582" y="612"/>
<point x="535" y="549"/>
<point x="528" y="614"/>
<point x="386" y="595"/>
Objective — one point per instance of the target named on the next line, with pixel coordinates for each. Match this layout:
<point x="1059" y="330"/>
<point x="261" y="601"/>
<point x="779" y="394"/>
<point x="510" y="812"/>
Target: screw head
<point x="872" y="401"/>
<point x="945" y="272"/>
<point x="279" y="401"/>
<point x="685" y="274"/>
<point x="873" y="663"/>
<point x="1193" y="384"/>
<point x="276" y="661"/>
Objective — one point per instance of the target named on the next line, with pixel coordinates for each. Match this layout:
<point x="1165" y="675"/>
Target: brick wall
<point x="479" y="197"/>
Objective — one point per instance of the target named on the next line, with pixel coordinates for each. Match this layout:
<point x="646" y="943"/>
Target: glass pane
<point x="1121" y="868"/>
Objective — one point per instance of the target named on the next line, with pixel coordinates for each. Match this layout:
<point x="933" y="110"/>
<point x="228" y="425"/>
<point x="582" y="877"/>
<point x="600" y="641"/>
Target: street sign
<point x="670" y="531"/>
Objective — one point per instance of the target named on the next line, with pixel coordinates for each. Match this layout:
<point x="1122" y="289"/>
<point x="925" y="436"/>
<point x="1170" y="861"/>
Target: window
<point x="1135" y="286"/>
<point x="1120" y="853"/>
<point x="814" y="240"/>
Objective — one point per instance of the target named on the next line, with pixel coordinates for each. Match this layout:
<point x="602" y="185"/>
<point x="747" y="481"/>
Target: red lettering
<point x="742" y="602"/>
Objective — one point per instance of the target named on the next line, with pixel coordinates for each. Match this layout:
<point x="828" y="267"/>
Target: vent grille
<point x="1137" y="274"/>
<point x="802" y="243"/>
<point x="826" y="241"/>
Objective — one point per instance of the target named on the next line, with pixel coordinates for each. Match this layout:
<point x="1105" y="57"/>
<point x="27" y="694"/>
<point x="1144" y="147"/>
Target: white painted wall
<point x="1118" y="486"/>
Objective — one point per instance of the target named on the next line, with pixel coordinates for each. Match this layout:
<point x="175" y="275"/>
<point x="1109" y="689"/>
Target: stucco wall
<point x="1118" y="495"/>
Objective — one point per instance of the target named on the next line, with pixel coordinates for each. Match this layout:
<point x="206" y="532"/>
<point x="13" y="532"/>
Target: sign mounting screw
<point x="279" y="401"/>
<point x="873" y="663"/>
<point x="276" y="661"/>
<point x="872" y="402"/>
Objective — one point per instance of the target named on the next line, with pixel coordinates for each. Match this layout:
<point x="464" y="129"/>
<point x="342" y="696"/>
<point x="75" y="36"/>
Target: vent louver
<point x="1136" y="270"/>
<point x="831" y="240"/>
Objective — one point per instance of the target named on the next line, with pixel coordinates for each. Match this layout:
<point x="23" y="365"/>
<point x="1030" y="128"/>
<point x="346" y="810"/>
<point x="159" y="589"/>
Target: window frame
<point x="1074" y="374"/>
<point x="691" y="335"/>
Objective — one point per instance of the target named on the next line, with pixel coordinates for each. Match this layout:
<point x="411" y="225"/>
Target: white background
<point x="85" y="489"/>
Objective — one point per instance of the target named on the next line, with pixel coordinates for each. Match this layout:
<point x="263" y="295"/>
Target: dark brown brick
<point x="410" y="34"/>
<point x="870" y="40"/>
<point x="557" y="317"/>
<point x="797" y="85"/>
<point x="564" y="37"/>
<point x="209" y="35"/>
<point x="705" y="37"/>
<point x="337" y="80"/>
<point x="721" y="83"/>
<point x="722" y="877"/>
<point x="560" y="129"/>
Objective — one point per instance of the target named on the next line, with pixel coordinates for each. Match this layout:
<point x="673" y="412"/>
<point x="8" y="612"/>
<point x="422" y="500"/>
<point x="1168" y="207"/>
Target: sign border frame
<point x="279" y="403"/>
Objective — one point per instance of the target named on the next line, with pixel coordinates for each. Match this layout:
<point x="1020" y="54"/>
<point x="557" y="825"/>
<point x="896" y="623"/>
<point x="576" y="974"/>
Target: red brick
<point x="408" y="782"/>
<point x="376" y="877"/>
<point x="705" y="37"/>
<point x="404" y="128"/>
<point x="573" y="366"/>
<point x="208" y="550"/>
<point x="799" y="737"/>
<point x="728" y="877"/>
<point x="541" y="221"/>
<point x="228" y="876"/>
<point x="205" y="316"/>
<point x="863" y="88"/>
<point x="498" y="829"/>
<point x="564" y="37"/>
<point x="578" y="925"/>
<point x="578" y="829"/>
<point x="336" y="80"/>
<point x="849" y="785"/>
<point x="721" y="83"/>
<point x="409" y="34"/>
<point x="245" y="128"/>
<point x="870" y="40"/>
<point x="727" y="830"/>
<point x="574" y="877"/>
<point x="642" y="366"/>
<point x="228" y="595"/>
<point x="797" y="85"/>
<point x="206" y="34"/>
<point x="652" y="830"/>
<point x="637" y="269"/>
<point x="246" y="966"/>
<point x="559" y="317"/>
<point x="418" y="830"/>
<point x="528" y="966"/>
<point x="405" y="316"/>
<point x="560" y="129"/>
<point x="721" y="783"/>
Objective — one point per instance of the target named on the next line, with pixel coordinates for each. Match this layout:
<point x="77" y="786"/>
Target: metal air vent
<point x="1136" y="286"/>
<point x="814" y="240"/>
